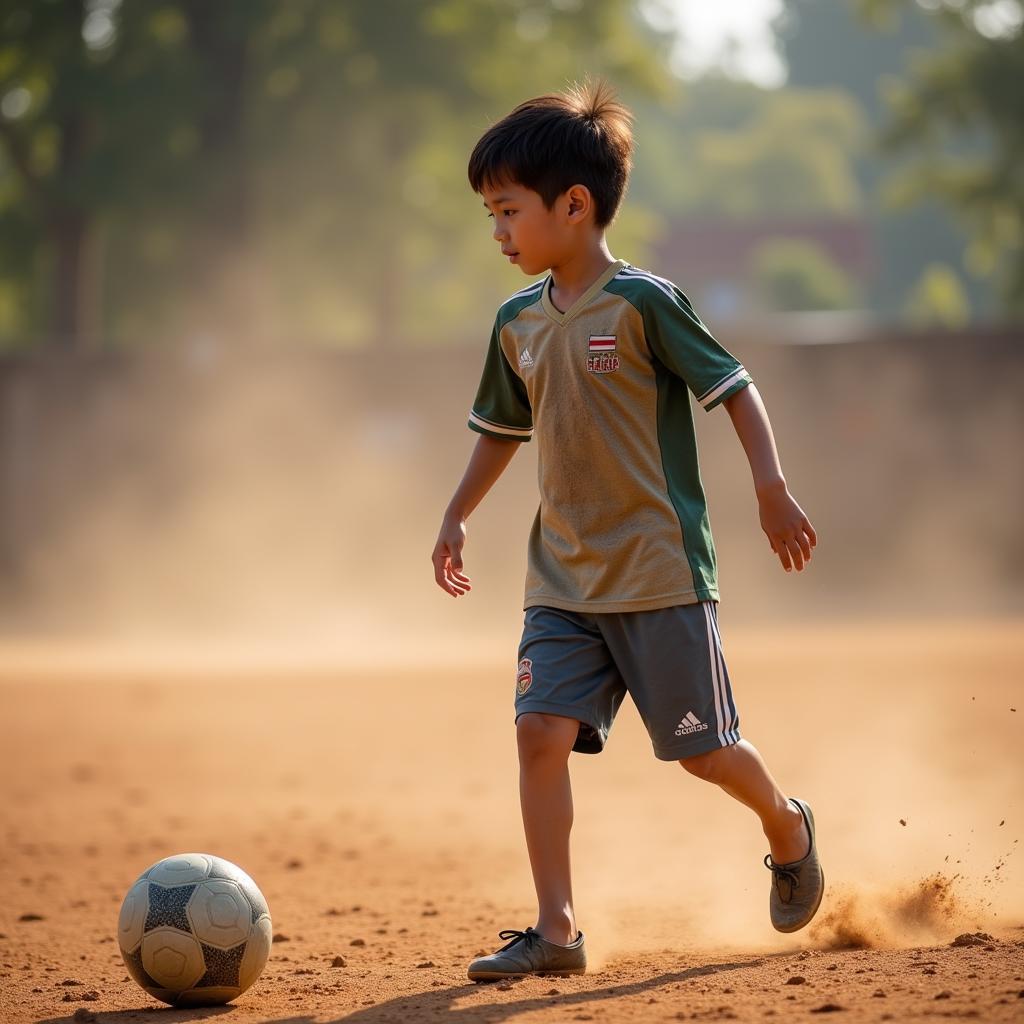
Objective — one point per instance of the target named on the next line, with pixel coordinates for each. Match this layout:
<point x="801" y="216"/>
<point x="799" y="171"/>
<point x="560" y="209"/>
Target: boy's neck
<point x="571" y="278"/>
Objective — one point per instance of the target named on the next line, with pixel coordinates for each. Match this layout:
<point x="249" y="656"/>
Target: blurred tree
<point x="961" y="115"/>
<point x="831" y="45"/>
<point x="733" y="149"/>
<point x="269" y="166"/>
<point x="793" y="275"/>
<point x="103" y="111"/>
<point x="838" y="45"/>
<point x="939" y="298"/>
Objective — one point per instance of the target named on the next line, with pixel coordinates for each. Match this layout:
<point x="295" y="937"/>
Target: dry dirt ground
<point x="378" y="812"/>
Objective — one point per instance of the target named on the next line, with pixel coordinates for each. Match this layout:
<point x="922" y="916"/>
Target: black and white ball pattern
<point x="194" y="930"/>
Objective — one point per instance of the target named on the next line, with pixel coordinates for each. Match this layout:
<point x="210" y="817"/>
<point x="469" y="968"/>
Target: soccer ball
<point x="194" y="930"/>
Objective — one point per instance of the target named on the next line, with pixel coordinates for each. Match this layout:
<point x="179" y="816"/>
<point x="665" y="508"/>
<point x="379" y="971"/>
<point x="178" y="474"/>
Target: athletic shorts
<point x="581" y="665"/>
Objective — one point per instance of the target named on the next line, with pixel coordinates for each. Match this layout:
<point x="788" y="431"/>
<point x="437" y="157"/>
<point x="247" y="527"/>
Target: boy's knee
<point x="542" y="736"/>
<point x="705" y="766"/>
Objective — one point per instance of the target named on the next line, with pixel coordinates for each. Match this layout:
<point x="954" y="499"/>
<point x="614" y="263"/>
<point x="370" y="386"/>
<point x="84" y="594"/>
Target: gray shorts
<point x="581" y="665"/>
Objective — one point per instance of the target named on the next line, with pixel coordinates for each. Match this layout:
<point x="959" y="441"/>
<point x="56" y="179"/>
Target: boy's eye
<point x="508" y="213"/>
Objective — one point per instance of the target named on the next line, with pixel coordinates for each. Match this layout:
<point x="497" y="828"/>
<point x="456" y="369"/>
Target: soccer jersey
<point x="623" y="521"/>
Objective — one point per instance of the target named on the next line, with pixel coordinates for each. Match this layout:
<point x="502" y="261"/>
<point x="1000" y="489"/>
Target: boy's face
<point x="531" y="236"/>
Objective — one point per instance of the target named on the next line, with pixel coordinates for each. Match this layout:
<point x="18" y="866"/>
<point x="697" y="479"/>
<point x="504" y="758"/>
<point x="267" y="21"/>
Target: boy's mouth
<point x="510" y="255"/>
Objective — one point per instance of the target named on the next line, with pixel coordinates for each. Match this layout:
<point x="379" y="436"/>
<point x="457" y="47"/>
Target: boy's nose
<point x="499" y="234"/>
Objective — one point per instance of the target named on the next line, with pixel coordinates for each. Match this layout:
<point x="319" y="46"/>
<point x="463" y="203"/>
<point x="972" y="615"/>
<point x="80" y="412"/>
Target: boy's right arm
<point x="489" y="460"/>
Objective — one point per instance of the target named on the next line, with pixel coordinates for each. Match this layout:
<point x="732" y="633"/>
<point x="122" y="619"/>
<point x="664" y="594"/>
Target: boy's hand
<point x="447" y="558"/>
<point x="787" y="528"/>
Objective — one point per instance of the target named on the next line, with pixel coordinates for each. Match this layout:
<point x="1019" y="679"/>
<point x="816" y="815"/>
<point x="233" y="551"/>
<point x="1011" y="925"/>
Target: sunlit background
<point x="245" y="291"/>
<point x="245" y="295"/>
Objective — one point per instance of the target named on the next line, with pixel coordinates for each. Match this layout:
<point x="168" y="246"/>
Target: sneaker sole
<point x="500" y="975"/>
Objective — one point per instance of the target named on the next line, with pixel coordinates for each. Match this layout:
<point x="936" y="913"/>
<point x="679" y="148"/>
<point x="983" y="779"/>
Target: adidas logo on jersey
<point x="525" y="359"/>
<point x="691" y="723"/>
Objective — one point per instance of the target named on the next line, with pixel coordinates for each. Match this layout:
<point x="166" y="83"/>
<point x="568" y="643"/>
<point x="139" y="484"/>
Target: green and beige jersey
<point x="623" y="522"/>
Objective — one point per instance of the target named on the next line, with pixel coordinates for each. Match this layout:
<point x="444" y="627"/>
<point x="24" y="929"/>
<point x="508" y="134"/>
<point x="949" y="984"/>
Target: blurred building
<point x="733" y="269"/>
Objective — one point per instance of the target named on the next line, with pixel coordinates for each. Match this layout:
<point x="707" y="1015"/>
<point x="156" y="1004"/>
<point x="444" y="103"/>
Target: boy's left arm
<point x="787" y="528"/>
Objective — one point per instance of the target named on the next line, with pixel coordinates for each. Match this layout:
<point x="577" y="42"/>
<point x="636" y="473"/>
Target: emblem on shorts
<point x="524" y="676"/>
<point x="691" y="723"/>
<point x="602" y="358"/>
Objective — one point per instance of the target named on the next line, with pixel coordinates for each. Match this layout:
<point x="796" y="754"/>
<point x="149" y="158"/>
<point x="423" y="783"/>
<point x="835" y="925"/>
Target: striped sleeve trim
<point x="658" y="282"/>
<point x="487" y="427"/>
<point x="528" y="291"/>
<point x="719" y="389"/>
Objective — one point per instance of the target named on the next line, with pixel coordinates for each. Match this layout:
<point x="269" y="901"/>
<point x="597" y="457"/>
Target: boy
<point x="621" y="589"/>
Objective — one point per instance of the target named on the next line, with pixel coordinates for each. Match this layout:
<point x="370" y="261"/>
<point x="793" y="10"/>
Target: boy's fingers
<point x="783" y="552"/>
<point x="795" y="553"/>
<point x="459" y="582"/>
<point x="805" y="545"/>
<point x="809" y="530"/>
<point x="440" y="559"/>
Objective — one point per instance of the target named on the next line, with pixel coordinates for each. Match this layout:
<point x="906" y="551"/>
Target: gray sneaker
<point x="529" y="953"/>
<point x="797" y="887"/>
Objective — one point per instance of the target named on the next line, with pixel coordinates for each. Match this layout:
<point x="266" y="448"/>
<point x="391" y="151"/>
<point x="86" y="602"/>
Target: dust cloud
<point x="203" y="505"/>
<point x="928" y="912"/>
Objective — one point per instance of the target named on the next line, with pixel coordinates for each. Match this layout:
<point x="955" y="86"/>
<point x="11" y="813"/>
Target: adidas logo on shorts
<point x="691" y="723"/>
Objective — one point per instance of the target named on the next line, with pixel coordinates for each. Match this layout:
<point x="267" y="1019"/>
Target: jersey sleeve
<point x="679" y="339"/>
<point x="502" y="406"/>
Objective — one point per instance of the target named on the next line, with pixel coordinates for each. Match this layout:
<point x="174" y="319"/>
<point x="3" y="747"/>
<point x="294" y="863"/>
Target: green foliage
<point x="792" y="275"/>
<point x="938" y="298"/>
<point x="960" y="117"/>
<point x="735" y="150"/>
<point x="273" y="168"/>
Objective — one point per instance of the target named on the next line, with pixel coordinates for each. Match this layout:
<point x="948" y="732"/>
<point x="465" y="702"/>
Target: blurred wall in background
<point x="297" y="499"/>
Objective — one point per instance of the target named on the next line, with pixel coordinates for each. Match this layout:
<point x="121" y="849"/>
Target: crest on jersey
<point x="602" y="357"/>
<point x="524" y="675"/>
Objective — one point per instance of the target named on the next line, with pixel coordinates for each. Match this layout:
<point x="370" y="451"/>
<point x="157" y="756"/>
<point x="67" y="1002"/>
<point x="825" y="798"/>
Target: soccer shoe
<point x="529" y="953"/>
<point x="797" y="887"/>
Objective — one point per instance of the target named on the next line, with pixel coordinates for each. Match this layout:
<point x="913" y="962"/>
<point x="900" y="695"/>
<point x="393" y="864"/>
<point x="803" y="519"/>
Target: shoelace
<point x="529" y="936"/>
<point x="781" y="874"/>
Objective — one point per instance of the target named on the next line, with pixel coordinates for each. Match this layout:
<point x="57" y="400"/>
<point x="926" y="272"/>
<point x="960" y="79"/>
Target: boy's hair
<point x="583" y="136"/>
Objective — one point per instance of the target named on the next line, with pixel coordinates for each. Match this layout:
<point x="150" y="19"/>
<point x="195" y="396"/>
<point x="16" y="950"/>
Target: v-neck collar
<point x="561" y="318"/>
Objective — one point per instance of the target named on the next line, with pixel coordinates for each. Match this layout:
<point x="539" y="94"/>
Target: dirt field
<point x="378" y="813"/>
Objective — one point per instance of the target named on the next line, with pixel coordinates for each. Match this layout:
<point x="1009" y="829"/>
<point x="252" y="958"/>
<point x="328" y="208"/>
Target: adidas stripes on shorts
<point x="669" y="660"/>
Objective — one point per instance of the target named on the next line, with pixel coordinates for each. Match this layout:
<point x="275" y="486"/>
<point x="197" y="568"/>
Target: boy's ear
<point x="579" y="203"/>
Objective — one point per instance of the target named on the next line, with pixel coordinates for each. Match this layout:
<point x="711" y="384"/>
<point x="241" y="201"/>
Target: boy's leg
<point x="545" y="742"/>
<point x="673" y="664"/>
<point x="740" y="770"/>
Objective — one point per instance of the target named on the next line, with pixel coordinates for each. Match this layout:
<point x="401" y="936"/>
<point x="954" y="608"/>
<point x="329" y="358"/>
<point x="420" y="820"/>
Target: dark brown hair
<point x="583" y="136"/>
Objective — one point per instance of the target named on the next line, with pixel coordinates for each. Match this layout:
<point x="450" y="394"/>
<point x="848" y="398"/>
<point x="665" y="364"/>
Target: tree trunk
<point x="68" y="238"/>
<point x="224" y="274"/>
